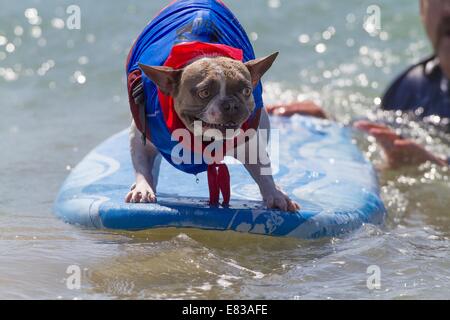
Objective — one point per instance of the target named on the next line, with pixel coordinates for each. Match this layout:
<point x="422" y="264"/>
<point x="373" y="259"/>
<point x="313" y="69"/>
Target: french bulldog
<point x="218" y="91"/>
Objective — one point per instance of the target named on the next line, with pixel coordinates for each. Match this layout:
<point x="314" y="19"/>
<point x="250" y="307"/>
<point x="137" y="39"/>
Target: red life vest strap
<point x="219" y="182"/>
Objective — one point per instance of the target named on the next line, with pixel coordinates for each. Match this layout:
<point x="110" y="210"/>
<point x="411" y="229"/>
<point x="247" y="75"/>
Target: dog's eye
<point x="204" y="94"/>
<point x="247" y="92"/>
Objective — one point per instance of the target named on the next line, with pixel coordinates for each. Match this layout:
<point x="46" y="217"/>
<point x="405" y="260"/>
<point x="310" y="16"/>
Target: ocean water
<point x="63" y="92"/>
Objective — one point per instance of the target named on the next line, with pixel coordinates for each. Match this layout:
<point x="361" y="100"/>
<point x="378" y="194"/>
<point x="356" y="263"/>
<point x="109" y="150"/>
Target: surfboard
<point x="316" y="162"/>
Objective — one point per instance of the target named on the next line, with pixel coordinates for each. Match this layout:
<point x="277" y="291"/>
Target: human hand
<point x="399" y="151"/>
<point x="307" y="108"/>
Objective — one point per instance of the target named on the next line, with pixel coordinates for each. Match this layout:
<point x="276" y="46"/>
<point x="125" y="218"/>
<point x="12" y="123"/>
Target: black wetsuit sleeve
<point x="390" y="99"/>
<point x="419" y="90"/>
<point x="401" y="94"/>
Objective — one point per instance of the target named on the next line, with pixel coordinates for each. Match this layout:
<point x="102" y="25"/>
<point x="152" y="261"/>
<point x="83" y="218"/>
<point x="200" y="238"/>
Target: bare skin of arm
<point x="306" y="108"/>
<point x="399" y="151"/>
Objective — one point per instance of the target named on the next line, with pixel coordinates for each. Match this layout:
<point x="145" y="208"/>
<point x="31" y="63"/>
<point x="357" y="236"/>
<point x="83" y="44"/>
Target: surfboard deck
<point x="318" y="165"/>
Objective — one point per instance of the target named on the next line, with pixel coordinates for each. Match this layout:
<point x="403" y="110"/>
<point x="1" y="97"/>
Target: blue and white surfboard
<point x="318" y="166"/>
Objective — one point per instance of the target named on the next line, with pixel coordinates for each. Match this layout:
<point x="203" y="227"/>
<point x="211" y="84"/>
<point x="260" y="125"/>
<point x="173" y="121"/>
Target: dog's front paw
<point x="277" y="199"/>
<point x="141" y="193"/>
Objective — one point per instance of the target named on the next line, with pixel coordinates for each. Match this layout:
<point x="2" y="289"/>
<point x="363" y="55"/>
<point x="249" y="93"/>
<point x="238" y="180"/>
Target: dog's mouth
<point x="197" y="125"/>
<point x="218" y="126"/>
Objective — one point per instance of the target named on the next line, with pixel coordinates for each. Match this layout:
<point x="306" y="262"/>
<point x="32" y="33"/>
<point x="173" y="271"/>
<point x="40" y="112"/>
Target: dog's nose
<point x="230" y="106"/>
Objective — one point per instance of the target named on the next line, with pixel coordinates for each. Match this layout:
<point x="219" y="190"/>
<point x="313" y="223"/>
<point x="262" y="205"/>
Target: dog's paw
<point x="277" y="199"/>
<point x="141" y="193"/>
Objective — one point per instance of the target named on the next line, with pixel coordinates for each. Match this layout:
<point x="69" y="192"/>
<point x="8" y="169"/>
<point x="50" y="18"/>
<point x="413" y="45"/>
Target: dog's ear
<point x="259" y="67"/>
<point x="166" y="78"/>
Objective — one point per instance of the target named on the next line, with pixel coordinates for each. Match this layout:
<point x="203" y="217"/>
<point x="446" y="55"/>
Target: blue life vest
<point x="185" y="21"/>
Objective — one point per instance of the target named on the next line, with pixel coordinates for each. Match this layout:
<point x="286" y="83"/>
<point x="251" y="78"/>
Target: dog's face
<point x="216" y="91"/>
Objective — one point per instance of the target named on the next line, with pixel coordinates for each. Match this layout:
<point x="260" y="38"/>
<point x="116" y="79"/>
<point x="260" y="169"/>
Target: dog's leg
<point x="273" y="196"/>
<point x="146" y="161"/>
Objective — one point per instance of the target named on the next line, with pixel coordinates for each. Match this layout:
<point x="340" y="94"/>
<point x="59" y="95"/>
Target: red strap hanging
<point x="224" y="184"/>
<point x="219" y="182"/>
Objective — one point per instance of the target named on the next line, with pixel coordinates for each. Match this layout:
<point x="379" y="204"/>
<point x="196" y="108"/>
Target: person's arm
<point x="306" y="108"/>
<point x="398" y="150"/>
